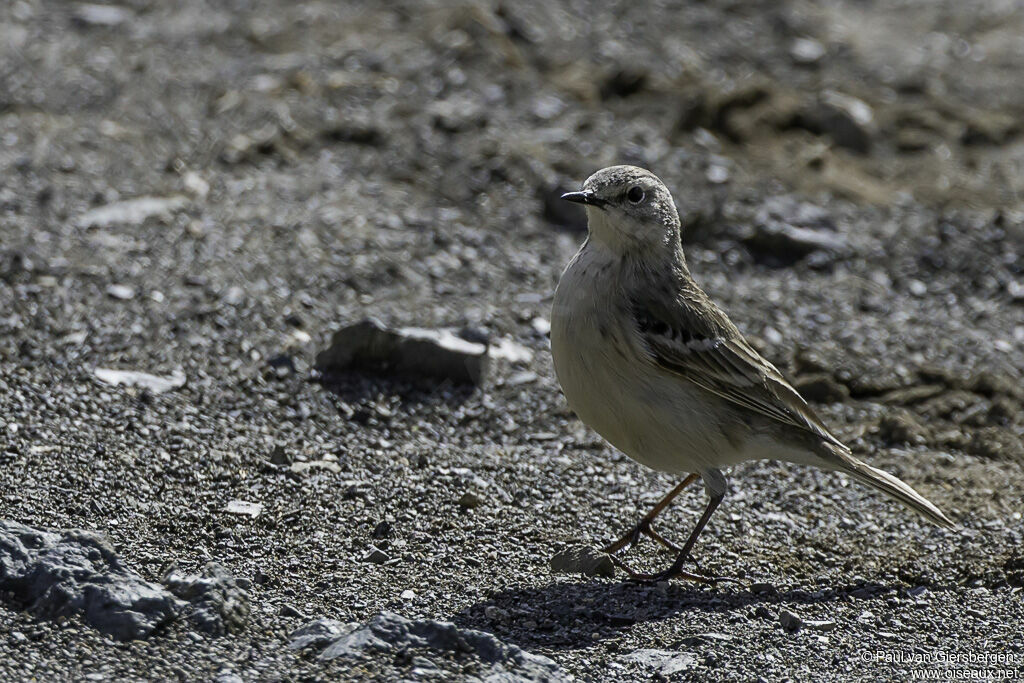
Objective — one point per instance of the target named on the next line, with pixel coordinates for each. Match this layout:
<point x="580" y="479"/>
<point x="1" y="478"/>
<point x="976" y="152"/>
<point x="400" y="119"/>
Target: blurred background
<point x="206" y="190"/>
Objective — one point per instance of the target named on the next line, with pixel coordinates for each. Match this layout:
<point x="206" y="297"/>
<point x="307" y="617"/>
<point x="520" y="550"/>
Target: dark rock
<point x="382" y="530"/>
<point x="389" y="632"/>
<point x="375" y="556"/>
<point x="584" y="560"/>
<point x="355" y="131"/>
<point x="75" y="572"/>
<point x="281" y="456"/>
<point x="470" y="500"/>
<point x="440" y="354"/>
<point x="991" y="384"/>
<point x="624" y="81"/>
<point x="219" y="604"/>
<point x="847" y="120"/>
<point x="989" y="128"/>
<point x="821" y="388"/>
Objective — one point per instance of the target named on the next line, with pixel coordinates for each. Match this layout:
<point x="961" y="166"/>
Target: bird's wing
<point x="691" y="338"/>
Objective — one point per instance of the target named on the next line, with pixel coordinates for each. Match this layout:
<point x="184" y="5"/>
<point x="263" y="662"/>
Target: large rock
<point x="409" y="351"/>
<point x="218" y="604"/>
<point x="75" y="572"/>
<point x="389" y="632"/>
<point x="785" y="230"/>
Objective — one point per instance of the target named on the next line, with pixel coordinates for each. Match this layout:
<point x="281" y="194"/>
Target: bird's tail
<point x="844" y="461"/>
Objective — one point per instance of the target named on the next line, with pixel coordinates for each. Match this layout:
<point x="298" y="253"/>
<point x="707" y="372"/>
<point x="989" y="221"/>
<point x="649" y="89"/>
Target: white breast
<point x="657" y="419"/>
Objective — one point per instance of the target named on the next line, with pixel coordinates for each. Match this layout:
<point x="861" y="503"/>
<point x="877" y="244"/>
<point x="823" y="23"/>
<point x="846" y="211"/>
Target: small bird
<point x="647" y="360"/>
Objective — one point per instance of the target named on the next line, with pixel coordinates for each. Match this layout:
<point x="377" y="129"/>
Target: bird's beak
<point x="588" y="198"/>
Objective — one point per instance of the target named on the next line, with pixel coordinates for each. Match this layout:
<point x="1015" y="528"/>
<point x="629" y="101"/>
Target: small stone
<point x="375" y="556"/>
<point x="624" y="81"/>
<point x="290" y="610"/>
<point x="408" y="595"/>
<point x="281" y="456"/>
<point x="409" y="351"/>
<point x="819" y="625"/>
<point x="513" y="352"/>
<point x="329" y="465"/>
<point x="122" y="292"/>
<point x="786" y="230"/>
<point x="662" y="662"/>
<point x="244" y="508"/>
<point x="132" y="211"/>
<point x="154" y="383"/>
<point x="762" y="587"/>
<point x="227" y="676"/>
<point x="847" y="120"/>
<point x="717" y="174"/>
<point x="790" y="622"/>
<point x="103" y="16"/>
<point x="582" y="560"/>
<point x="470" y="500"/>
<point x="382" y="530"/>
<point x="806" y="51"/>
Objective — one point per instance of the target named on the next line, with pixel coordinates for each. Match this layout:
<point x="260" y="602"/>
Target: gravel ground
<point x="206" y="191"/>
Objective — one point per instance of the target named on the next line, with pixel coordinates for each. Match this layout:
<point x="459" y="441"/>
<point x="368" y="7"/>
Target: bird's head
<point x="629" y="209"/>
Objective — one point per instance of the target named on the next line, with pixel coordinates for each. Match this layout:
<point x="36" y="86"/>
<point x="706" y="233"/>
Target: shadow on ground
<point x="569" y="616"/>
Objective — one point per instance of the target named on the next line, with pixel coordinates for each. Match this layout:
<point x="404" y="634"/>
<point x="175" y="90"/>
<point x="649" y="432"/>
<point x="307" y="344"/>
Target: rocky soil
<point x="196" y="195"/>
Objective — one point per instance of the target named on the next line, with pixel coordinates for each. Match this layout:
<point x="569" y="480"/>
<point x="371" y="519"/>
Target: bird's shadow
<point x="567" y="615"/>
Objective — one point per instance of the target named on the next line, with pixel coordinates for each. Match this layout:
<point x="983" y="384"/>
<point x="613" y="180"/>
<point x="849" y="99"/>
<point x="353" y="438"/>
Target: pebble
<point x="806" y="51"/>
<point x="156" y="384"/>
<point x="244" y="508"/>
<point x="122" y="292"/>
<point x="375" y="556"/>
<point x="410" y="351"/>
<point x="790" y="621"/>
<point x="470" y="500"/>
<point x="132" y="211"/>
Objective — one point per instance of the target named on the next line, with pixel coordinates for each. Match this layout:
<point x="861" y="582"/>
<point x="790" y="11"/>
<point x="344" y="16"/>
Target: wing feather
<point x="709" y="351"/>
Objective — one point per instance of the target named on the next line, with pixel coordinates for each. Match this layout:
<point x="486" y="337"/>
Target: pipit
<point x="647" y="360"/>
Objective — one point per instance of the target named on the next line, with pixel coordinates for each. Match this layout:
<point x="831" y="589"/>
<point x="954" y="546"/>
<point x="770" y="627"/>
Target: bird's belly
<point x="661" y="421"/>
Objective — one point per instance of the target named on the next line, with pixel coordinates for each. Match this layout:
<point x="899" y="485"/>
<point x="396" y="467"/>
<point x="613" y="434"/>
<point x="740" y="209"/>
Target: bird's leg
<point x="643" y="527"/>
<point x="677" y="567"/>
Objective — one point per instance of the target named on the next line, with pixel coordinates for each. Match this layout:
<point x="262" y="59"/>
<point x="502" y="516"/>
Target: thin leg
<point x="677" y="567"/>
<point x="643" y="527"/>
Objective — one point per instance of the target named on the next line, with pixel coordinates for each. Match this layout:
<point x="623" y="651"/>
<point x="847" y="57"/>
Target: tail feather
<point x="890" y="485"/>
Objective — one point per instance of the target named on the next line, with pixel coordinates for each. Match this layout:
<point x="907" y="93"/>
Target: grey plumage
<point x="652" y="364"/>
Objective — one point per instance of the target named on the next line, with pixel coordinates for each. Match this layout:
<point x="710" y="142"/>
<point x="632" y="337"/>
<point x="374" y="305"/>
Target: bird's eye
<point x="635" y="194"/>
